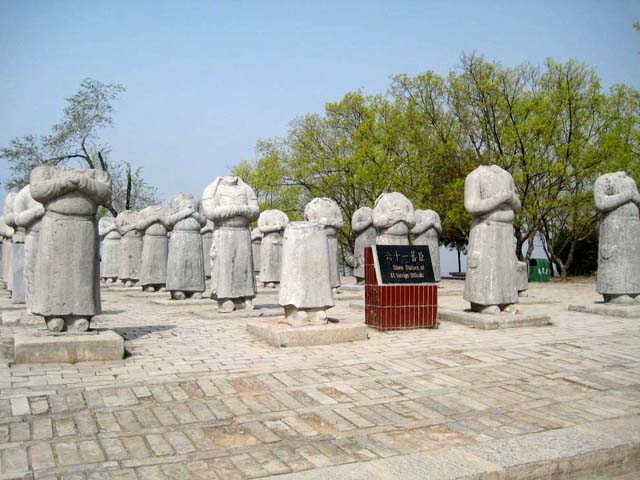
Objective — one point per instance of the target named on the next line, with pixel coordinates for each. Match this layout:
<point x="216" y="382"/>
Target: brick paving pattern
<point x="199" y="397"/>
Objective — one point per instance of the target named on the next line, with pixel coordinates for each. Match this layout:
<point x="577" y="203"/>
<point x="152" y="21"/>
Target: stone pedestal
<point x="485" y="321"/>
<point x="280" y="333"/>
<point x="68" y="348"/>
<point x="608" y="310"/>
<point x="13" y="318"/>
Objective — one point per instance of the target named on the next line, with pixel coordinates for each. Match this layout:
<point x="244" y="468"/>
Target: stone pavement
<point x="199" y="397"/>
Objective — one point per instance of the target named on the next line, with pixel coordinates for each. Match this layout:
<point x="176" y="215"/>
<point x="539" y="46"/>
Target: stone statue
<point x="327" y="212"/>
<point x="7" y="234"/>
<point x="393" y="217"/>
<point x="523" y="277"/>
<point x="130" y="248"/>
<point x="185" y="269"/>
<point x="256" y="246"/>
<point x="9" y="220"/>
<point x="110" y="255"/>
<point x="617" y="198"/>
<point x="207" y="240"/>
<point x="305" y="287"/>
<point x="362" y="226"/>
<point x="28" y="215"/>
<point x="271" y="224"/>
<point x="67" y="276"/>
<point x="151" y="222"/>
<point x="427" y="231"/>
<point x="232" y="205"/>
<point x="491" y="280"/>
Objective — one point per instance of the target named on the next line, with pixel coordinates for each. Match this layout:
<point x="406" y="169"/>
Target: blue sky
<point x="206" y="79"/>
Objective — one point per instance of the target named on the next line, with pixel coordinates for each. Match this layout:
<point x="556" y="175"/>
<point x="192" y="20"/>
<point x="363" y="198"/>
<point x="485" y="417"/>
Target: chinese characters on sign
<point x="404" y="264"/>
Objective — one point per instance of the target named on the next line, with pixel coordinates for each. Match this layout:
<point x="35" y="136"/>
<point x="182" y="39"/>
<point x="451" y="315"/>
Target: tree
<point x="76" y="140"/>
<point x="552" y="127"/>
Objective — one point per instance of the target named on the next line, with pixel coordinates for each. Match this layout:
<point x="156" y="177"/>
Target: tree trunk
<point x="459" y="262"/>
<point x="128" y="199"/>
<point x="530" y="246"/>
<point x="519" y="243"/>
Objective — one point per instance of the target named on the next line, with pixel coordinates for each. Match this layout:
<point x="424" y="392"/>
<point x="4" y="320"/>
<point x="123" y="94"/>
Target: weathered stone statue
<point x="523" y="277"/>
<point x="617" y="198"/>
<point x="207" y="240"/>
<point x="272" y="224"/>
<point x="232" y="205"/>
<point x="393" y="217"/>
<point x="427" y="231"/>
<point x="256" y="246"/>
<point x="185" y="269"/>
<point x="110" y="255"/>
<point x="327" y="212"/>
<point x="28" y="215"/>
<point x="7" y="234"/>
<point x="9" y="220"/>
<point x="491" y="280"/>
<point x="17" y="251"/>
<point x="305" y="287"/>
<point x="67" y="277"/>
<point x="155" y="247"/>
<point x="130" y="247"/>
<point x="362" y="226"/>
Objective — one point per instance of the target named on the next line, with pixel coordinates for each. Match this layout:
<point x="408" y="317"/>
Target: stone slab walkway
<point x="200" y="397"/>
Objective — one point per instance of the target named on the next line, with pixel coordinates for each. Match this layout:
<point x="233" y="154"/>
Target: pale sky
<point x="206" y="79"/>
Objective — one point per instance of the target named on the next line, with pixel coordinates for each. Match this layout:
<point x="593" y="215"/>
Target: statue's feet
<point x="54" y="324"/>
<point x="177" y="295"/>
<point x="270" y="285"/>
<point x="485" y="309"/>
<point x="148" y="288"/>
<point x="162" y="289"/>
<point x="110" y="280"/>
<point x="226" y="306"/>
<point x="511" y="308"/>
<point x="620" y="299"/>
<point x="128" y="283"/>
<point x="77" y="324"/>
<point x="196" y="295"/>
<point x="248" y="305"/>
<point x="334" y="290"/>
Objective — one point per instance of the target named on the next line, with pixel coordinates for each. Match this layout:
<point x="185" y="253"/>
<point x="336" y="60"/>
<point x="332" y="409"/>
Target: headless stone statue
<point x="28" y="215"/>
<point x="9" y="220"/>
<point x="393" y="217"/>
<point x="185" y="269"/>
<point x="427" y="231"/>
<point x="256" y="246"/>
<point x="110" y="254"/>
<point x="271" y="224"/>
<point x="130" y="248"/>
<point x="67" y="275"/>
<point x="327" y="212"/>
<point x="232" y="205"/>
<point x="491" y="280"/>
<point x="617" y="198"/>
<point x="155" y="248"/>
<point x="362" y="226"/>
<point x="7" y="234"/>
<point x="523" y="277"/>
<point x="305" y="287"/>
<point x="207" y="240"/>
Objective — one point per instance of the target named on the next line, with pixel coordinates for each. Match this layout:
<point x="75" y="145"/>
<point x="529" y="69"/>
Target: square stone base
<point x="608" y="309"/>
<point x="12" y="306"/>
<point x="494" y="322"/>
<point x="12" y="318"/>
<point x="279" y="333"/>
<point x="68" y="348"/>
<point x="187" y="302"/>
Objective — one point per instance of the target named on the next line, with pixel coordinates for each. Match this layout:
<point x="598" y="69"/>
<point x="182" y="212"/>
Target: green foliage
<point x="553" y="127"/>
